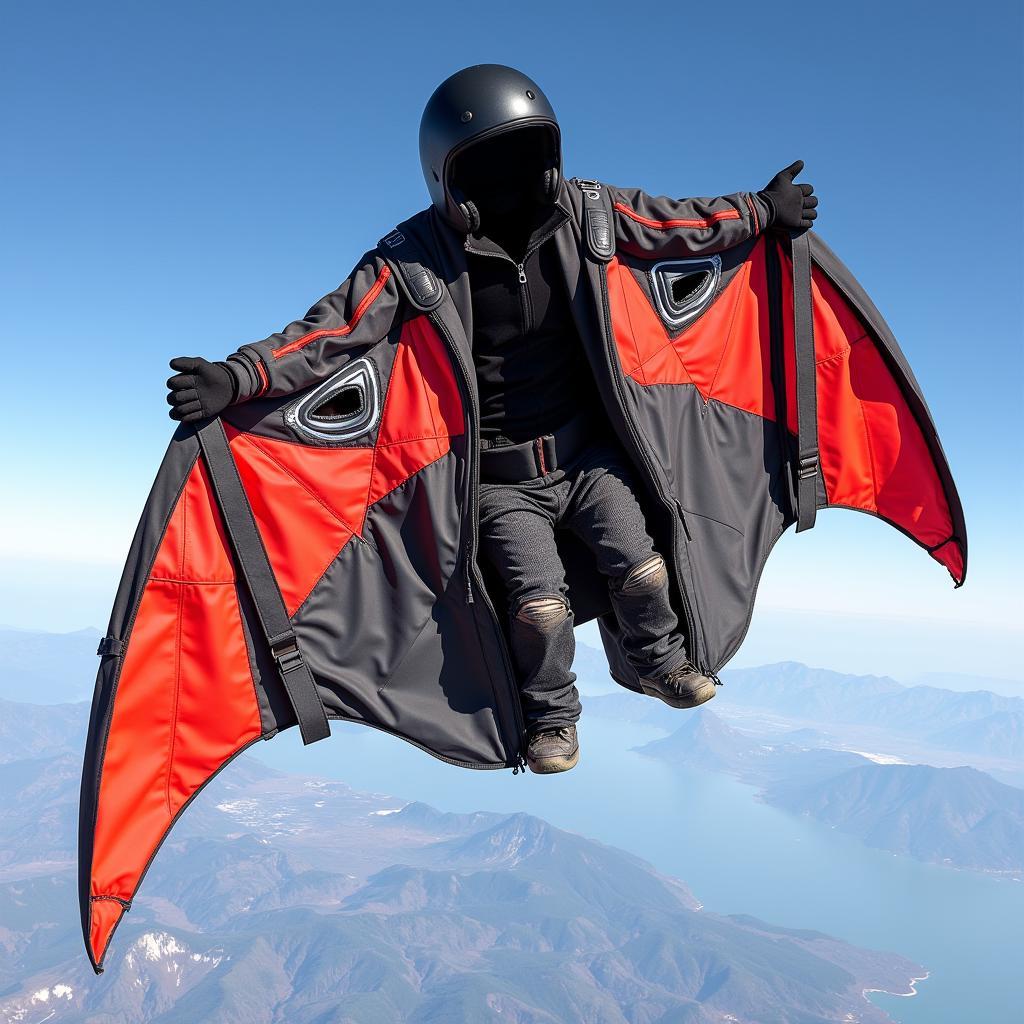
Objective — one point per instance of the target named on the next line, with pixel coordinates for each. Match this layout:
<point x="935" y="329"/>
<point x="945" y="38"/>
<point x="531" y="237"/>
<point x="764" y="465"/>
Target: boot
<point x="680" y="687"/>
<point x="553" y="750"/>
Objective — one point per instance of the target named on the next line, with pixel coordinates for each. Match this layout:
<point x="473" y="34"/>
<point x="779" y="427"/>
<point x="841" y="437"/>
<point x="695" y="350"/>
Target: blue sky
<point x="184" y="178"/>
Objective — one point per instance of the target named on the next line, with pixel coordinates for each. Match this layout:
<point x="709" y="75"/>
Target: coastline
<point x="902" y="995"/>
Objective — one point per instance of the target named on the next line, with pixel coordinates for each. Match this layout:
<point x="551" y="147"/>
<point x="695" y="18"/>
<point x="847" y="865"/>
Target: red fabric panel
<point x="309" y="501"/>
<point x="103" y="918"/>
<point x="874" y="456"/>
<point x="422" y="410"/>
<point x="725" y="354"/>
<point x="185" y="700"/>
<point x="950" y="555"/>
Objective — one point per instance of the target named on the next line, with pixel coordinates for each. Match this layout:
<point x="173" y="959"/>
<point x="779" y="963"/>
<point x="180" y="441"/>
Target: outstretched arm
<point x="341" y="326"/>
<point x="648" y="225"/>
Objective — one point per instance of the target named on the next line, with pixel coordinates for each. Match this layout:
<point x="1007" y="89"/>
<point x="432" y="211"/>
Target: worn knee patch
<point x="543" y="613"/>
<point x="650" y="575"/>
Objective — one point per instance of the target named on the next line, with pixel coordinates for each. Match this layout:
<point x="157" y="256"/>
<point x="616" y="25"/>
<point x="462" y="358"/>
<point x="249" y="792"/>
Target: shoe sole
<point x="699" y="696"/>
<point x="552" y="765"/>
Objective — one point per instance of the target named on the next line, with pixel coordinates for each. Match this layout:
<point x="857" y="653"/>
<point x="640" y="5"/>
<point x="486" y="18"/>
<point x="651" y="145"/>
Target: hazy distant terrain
<point x="943" y="727"/>
<point x="48" y="668"/>
<point x="973" y="722"/>
<point x="955" y="816"/>
<point x="283" y="898"/>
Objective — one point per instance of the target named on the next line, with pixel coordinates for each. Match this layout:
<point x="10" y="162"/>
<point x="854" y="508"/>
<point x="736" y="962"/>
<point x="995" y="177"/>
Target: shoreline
<point x="902" y="995"/>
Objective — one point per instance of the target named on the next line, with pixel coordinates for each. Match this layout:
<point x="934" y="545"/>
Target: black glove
<point x="200" y="389"/>
<point x="792" y="206"/>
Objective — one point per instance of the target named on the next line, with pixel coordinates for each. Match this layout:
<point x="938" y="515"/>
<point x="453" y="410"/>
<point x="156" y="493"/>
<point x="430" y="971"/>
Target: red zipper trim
<point x="261" y="372"/>
<point x="339" y="332"/>
<point x="665" y="225"/>
<point x="753" y="213"/>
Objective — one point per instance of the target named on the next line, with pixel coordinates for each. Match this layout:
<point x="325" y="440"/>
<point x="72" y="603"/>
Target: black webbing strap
<point x="259" y="577"/>
<point x="806" y="385"/>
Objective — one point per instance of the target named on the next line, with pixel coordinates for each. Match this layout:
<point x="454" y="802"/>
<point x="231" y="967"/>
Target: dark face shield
<point x="508" y="172"/>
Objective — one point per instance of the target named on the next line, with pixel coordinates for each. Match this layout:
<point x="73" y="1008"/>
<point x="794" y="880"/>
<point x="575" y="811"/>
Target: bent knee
<point x="646" y="577"/>
<point x="543" y="613"/>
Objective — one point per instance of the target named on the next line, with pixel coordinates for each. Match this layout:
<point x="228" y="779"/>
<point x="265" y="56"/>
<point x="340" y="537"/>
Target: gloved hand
<point x="200" y="389"/>
<point x="792" y="206"/>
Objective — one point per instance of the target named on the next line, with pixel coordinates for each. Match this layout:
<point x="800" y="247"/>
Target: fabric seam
<point x="339" y="332"/>
<point x="701" y="224"/>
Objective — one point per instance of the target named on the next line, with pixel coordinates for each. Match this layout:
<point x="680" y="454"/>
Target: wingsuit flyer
<point x="541" y="401"/>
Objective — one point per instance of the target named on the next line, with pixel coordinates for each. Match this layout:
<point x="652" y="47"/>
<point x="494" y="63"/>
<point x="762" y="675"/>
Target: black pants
<point x="594" y="496"/>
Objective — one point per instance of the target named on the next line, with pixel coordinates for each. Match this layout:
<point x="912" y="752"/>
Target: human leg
<point x="517" y="539"/>
<point x="603" y="511"/>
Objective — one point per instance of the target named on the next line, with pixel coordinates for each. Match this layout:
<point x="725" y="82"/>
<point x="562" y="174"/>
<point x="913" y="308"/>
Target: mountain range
<point x="47" y="668"/>
<point x="792" y="703"/>
<point x="287" y="898"/>
<point x="955" y="816"/>
<point x="978" y="721"/>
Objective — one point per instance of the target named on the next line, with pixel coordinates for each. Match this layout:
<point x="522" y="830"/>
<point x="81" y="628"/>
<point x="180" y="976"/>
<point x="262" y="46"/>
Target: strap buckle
<point x="285" y="649"/>
<point x="588" y="187"/>
<point x="808" y="465"/>
<point x="110" y="645"/>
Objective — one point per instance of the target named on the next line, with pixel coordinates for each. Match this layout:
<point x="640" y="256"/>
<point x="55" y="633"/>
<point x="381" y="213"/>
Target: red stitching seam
<point x="203" y="583"/>
<point x="665" y="225"/>
<point x="745" y="271"/>
<point x="315" y="495"/>
<point x="177" y="654"/>
<point x="339" y="332"/>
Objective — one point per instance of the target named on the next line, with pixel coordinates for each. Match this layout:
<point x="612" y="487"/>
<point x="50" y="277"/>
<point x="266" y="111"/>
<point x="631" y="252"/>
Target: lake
<point x="737" y="854"/>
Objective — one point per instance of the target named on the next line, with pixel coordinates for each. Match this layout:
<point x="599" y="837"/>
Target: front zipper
<point x="470" y="548"/>
<point x="525" y="301"/>
<point x="673" y="506"/>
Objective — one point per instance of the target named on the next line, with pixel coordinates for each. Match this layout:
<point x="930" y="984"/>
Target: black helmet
<point x="472" y="105"/>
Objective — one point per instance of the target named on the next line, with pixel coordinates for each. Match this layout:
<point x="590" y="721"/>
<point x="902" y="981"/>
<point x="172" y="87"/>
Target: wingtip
<point x="105" y="914"/>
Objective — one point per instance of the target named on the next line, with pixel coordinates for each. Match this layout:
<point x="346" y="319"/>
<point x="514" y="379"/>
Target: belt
<point x="528" y="460"/>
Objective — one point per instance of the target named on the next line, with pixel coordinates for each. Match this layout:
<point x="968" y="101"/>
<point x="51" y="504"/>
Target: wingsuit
<point x="311" y="547"/>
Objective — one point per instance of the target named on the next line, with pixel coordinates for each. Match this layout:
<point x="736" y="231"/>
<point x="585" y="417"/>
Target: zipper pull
<point x="682" y="519"/>
<point x="522" y="272"/>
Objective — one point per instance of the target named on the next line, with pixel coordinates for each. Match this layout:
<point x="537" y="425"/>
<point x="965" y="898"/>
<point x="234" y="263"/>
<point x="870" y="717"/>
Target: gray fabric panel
<point x="725" y="470"/>
<point x="265" y="416"/>
<point x="389" y="635"/>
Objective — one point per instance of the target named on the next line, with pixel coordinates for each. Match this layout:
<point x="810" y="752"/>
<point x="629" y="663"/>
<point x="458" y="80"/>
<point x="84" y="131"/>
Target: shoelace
<point x="562" y="732"/>
<point x="675" y="680"/>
